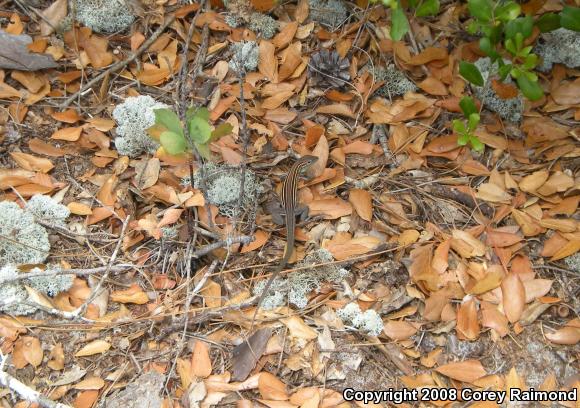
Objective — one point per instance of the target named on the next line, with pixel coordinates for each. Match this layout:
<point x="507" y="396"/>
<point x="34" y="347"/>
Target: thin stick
<point x="120" y="64"/>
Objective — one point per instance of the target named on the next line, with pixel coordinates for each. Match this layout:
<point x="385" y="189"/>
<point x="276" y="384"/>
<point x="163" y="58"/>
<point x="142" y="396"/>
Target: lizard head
<point x="308" y="160"/>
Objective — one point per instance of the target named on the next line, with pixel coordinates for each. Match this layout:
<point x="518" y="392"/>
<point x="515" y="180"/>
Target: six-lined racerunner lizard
<point x="289" y="200"/>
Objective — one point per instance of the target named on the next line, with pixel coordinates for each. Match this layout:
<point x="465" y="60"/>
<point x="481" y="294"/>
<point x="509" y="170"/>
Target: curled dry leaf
<point x="132" y="295"/>
<point x="466" y="371"/>
<point x="495" y="320"/>
<point x="534" y="181"/>
<point x="362" y="202"/>
<point x="514" y="297"/>
<point x="466" y="244"/>
<point x="32" y="350"/>
<point x="299" y="329"/>
<point x="71" y="134"/>
<point x="260" y="238"/>
<point x="32" y="163"/>
<point x="353" y="247"/>
<point x="94" y="347"/>
<point x="90" y="383"/>
<point x="467" y="323"/>
<point x="566" y="335"/>
<point x="271" y="388"/>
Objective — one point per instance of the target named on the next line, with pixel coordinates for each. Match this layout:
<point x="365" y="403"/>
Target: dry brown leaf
<point x="568" y="93"/>
<point x="399" y="330"/>
<point x="260" y="238"/>
<point x="501" y="239"/>
<point x="337" y="109"/>
<point x="534" y="181"/>
<point x="353" y="247"/>
<point x="495" y="320"/>
<point x="32" y="350"/>
<point x="86" y="399"/>
<point x="566" y="335"/>
<point x="570" y="248"/>
<point x="466" y="244"/>
<point x="514" y="297"/>
<point x="90" y="383"/>
<point x="433" y="86"/>
<point x="67" y="116"/>
<point x="492" y="193"/>
<point x="79" y="208"/>
<point x="56" y="357"/>
<point x="268" y="63"/>
<point x="359" y="147"/>
<point x="362" y="201"/>
<point x="330" y="208"/>
<point x="537" y="288"/>
<point x="200" y="360"/>
<point x="132" y="295"/>
<point x="466" y="371"/>
<point x="271" y="388"/>
<point x="96" y="49"/>
<point x="70" y="134"/>
<point x="467" y="323"/>
<point x="299" y="329"/>
<point x="285" y="36"/>
<point x="94" y="347"/>
<point x="32" y="163"/>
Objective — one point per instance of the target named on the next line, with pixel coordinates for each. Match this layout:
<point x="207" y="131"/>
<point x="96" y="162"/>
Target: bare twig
<point x="76" y="272"/>
<point x="243" y="239"/>
<point x="121" y="64"/>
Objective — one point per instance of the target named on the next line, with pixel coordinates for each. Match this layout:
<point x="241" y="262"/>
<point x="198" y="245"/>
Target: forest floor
<point x="422" y="265"/>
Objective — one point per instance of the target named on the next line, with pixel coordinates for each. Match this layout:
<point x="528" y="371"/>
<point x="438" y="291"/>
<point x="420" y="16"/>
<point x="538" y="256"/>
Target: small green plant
<point x="504" y="34"/>
<point x="169" y="130"/>
<point x="465" y="128"/>
<point x="399" y="21"/>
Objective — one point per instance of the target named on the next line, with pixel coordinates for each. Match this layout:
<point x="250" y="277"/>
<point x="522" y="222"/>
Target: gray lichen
<point x="508" y="109"/>
<point x="300" y="284"/>
<point x="329" y="13"/>
<point x="224" y="186"/>
<point x="396" y="83"/>
<point x="22" y="240"/>
<point x="104" y="16"/>
<point x="561" y="46"/>
<point x="134" y="117"/>
<point x="14" y="298"/>
<point x="263" y="24"/>
<point x="369" y="322"/>
<point x="46" y="209"/>
<point x="245" y="55"/>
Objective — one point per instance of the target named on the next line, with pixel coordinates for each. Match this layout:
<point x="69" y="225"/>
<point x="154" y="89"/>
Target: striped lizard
<point x="289" y="200"/>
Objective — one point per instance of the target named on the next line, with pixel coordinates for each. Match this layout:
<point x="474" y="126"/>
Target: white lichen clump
<point x="104" y="16"/>
<point x="45" y="208"/>
<point x="245" y="55"/>
<point x="224" y="186"/>
<point x="329" y="13"/>
<point x="369" y="322"/>
<point x="561" y="46"/>
<point x="509" y="109"/>
<point x="262" y="24"/>
<point x="22" y="241"/>
<point x="134" y="117"/>
<point x="299" y="285"/>
<point x="14" y="298"/>
<point x="396" y="83"/>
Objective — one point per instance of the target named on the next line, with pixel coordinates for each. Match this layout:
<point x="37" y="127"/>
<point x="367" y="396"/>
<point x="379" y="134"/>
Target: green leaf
<point x="473" y="122"/>
<point x="458" y="126"/>
<point x="462" y="139"/>
<point x="476" y="143"/>
<point x="570" y="18"/>
<point x="467" y="106"/>
<point x="530" y="89"/>
<point x="199" y="129"/>
<point x="504" y="71"/>
<point x="508" y="11"/>
<point x="222" y="130"/>
<point x="203" y="149"/>
<point x="172" y="142"/>
<point x="548" y="22"/>
<point x="470" y="72"/>
<point x="482" y="10"/>
<point x="169" y="120"/>
<point x="428" y="8"/>
<point x="400" y="24"/>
